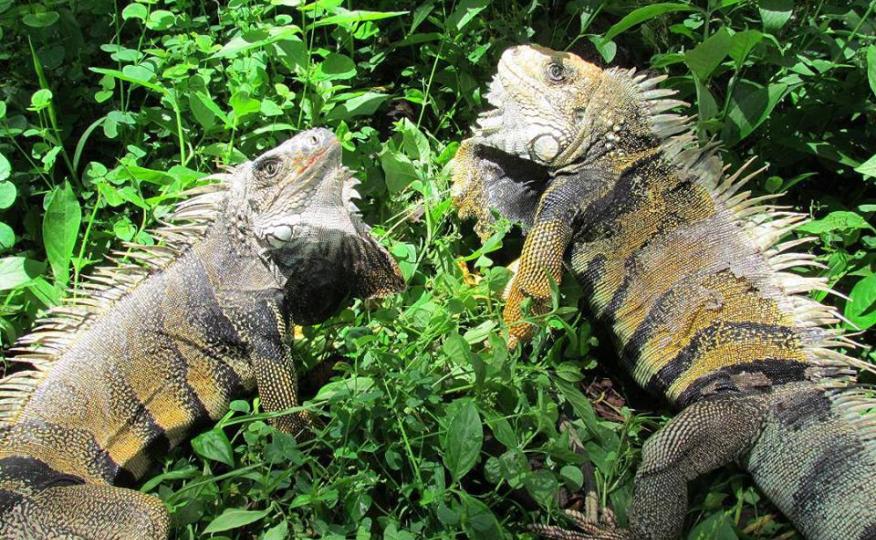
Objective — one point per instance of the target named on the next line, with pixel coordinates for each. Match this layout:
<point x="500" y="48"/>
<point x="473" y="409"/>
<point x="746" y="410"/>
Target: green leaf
<point x="363" y="104"/>
<point x="464" y="13"/>
<point x="232" y="518"/>
<point x="461" y="444"/>
<point x="742" y="43"/>
<point x="840" y="220"/>
<point x="749" y="107"/>
<point x="134" y="11"/>
<point x="349" y="18"/>
<point x="277" y="532"/>
<point x="709" y="54"/>
<point x="642" y="14"/>
<point x="397" y="169"/>
<point x="7" y="237"/>
<point x="868" y="168"/>
<point x="336" y="66"/>
<point x="478" y="521"/>
<point x="542" y="486"/>
<point x="60" y="229"/>
<point x="214" y="445"/>
<point x="8" y="192"/>
<point x="5" y="171"/>
<point x="861" y="307"/>
<point x="123" y="77"/>
<point x="871" y="67"/>
<point x="18" y="271"/>
<point x="160" y="19"/>
<point x="256" y="39"/>
<point x="572" y="477"/>
<point x="775" y="13"/>
<point x="41" y="20"/>
<point x="40" y="99"/>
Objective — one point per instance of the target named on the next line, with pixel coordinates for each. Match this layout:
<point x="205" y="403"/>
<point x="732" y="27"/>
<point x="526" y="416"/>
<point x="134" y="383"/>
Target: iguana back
<point x="147" y="351"/>
<point x="691" y="273"/>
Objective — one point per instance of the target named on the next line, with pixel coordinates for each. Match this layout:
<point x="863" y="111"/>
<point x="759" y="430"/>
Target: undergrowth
<point x="428" y="427"/>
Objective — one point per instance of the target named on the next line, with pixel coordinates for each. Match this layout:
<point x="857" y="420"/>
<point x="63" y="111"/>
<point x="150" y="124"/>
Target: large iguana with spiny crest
<point x="145" y="351"/>
<point x="691" y="273"/>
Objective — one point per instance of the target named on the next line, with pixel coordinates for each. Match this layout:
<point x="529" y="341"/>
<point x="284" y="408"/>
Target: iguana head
<point x="553" y="108"/>
<point x="295" y="202"/>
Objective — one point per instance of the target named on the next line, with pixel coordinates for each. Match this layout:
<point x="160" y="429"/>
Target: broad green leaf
<point x="572" y="477"/>
<point x="160" y="19"/>
<point x="257" y="38"/>
<point x="60" y="229"/>
<point x="134" y="11"/>
<point x="461" y="444"/>
<point x="868" y="168"/>
<point x="861" y="307"/>
<point x="277" y="532"/>
<point x="8" y="191"/>
<point x="139" y="73"/>
<point x="542" y="486"/>
<point x="398" y="170"/>
<point x="709" y="54"/>
<point x="642" y="14"/>
<point x="363" y="104"/>
<point x="840" y="220"/>
<point x="344" y="388"/>
<point x="742" y="43"/>
<point x="7" y="237"/>
<point x="479" y="521"/>
<point x="41" y="20"/>
<point x="749" y="107"/>
<point x="464" y="13"/>
<point x="18" y="271"/>
<point x="718" y="526"/>
<point x="205" y="109"/>
<point x="214" y="445"/>
<point x="242" y="104"/>
<point x="233" y="518"/>
<point x="775" y="13"/>
<point x="706" y="105"/>
<point x="336" y="66"/>
<point x="345" y="18"/>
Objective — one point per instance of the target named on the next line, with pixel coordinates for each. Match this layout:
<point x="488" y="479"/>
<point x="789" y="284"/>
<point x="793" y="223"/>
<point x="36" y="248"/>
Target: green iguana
<point x="144" y="352"/>
<point x="691" y="273"/>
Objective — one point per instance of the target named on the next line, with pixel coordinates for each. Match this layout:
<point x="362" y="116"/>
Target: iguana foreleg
<point x="705" y="436"/>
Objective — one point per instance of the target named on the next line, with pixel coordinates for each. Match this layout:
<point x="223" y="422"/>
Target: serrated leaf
<point x="709" y="54"/>
<point x="233" y="518"/>
<point x="461" y="444"/>
<point x="60" y="229"/>
<point x="214" y="445"/>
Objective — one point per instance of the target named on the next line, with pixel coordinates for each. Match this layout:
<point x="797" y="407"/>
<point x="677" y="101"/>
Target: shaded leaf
<point x="709" y="54"/>
<point x="861" y="307"/>
<point x="642" y="14"/>
<point x="463" y="439"/>
<point x="214" y="445"/>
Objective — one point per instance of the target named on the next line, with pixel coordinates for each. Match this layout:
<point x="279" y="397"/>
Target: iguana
<point x="146" y="350"/>
<point x="691" y="274"/>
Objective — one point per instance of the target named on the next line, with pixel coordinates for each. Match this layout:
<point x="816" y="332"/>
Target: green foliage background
<point x="429" y="428"/>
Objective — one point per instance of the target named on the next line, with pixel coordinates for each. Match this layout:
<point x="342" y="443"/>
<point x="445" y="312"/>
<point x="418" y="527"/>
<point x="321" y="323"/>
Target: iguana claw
<point x="604" y="529"/>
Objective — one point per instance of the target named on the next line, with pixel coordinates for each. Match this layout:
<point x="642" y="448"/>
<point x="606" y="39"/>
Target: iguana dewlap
<point x="692" y="276"/>
<point x="145" y="351"/>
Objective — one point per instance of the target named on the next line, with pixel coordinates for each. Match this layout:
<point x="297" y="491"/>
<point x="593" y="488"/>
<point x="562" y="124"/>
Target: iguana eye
<point x="268" y="168"/>
<point x="556" y="72"/>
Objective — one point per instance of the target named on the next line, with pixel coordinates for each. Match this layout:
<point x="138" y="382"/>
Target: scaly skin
<point x="687" y="271"/>
<point x="147" y="352"/>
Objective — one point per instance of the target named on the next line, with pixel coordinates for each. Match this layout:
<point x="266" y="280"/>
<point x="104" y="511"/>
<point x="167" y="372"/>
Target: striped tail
<point x="816" y="460"/>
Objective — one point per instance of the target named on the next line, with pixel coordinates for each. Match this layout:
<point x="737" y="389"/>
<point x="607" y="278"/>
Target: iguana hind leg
<point x="703" y="437"/>
<point x="88" y="511"/>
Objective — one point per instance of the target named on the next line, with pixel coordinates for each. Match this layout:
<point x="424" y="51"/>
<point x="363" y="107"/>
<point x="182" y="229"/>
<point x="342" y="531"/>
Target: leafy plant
<point x="429" y="428"/>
